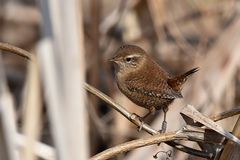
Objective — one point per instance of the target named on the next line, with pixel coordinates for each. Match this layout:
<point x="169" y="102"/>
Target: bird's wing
<point x="153" y="88"/>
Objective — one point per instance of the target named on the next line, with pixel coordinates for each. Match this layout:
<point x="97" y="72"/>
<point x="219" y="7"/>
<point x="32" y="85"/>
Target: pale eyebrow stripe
<point x="133" y="55"/>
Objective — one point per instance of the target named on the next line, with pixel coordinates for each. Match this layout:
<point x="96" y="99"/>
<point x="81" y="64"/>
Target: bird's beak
<point x="114" y="59"/>
<point x="111" y="59"/>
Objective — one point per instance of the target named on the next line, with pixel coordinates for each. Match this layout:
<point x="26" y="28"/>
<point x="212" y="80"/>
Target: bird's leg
<point x="164" y="123"/>
<point x="150" y="111"/>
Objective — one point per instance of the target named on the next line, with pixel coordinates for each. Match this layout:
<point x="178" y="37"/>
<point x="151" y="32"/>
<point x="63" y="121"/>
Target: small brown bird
<point x="144" y="82"/>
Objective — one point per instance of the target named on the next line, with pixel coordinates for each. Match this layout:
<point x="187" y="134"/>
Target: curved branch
<point x="125" y="147"/>
<point x="168" y="138"/>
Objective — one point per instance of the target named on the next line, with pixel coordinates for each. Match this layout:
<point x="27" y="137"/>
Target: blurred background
<point x="179" y="35"/>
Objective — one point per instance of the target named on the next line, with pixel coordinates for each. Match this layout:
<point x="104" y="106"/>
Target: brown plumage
<point x="144" y="82"/>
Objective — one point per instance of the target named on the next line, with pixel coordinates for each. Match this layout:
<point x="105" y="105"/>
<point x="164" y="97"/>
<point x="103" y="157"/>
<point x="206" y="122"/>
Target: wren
<point x="145" y="83"/>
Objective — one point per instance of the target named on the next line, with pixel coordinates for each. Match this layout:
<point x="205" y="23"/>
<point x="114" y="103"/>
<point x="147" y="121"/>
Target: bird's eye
<point x="128" y="59"/>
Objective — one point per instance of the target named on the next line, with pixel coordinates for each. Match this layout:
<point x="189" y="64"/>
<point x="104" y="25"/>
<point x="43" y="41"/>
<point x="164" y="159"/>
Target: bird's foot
<point x="141" y="125"/>
<point x="134" y="116"/>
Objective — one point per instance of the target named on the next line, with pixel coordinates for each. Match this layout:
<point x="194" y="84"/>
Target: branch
<point x="125" y="147"/>
<point x="169" y="138"/>
<point x="134" y="118"/>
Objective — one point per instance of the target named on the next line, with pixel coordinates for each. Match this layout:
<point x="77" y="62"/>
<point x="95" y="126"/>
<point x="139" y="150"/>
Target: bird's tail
<point x="177" y="82"/>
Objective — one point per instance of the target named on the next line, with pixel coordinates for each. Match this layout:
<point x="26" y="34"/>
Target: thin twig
<point x="226" y="114"/>
<point x="10" y="48"/>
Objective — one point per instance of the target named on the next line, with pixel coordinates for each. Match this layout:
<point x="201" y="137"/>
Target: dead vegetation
<point x="44" y="99"/>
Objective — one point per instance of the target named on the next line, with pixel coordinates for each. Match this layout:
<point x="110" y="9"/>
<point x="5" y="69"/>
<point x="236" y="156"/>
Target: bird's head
<point x="129" y="58"/>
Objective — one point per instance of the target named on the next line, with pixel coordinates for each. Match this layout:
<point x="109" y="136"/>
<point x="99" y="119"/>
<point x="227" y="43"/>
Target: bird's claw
<point x="141" y="125"/>
<point x="134" y="116"/>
